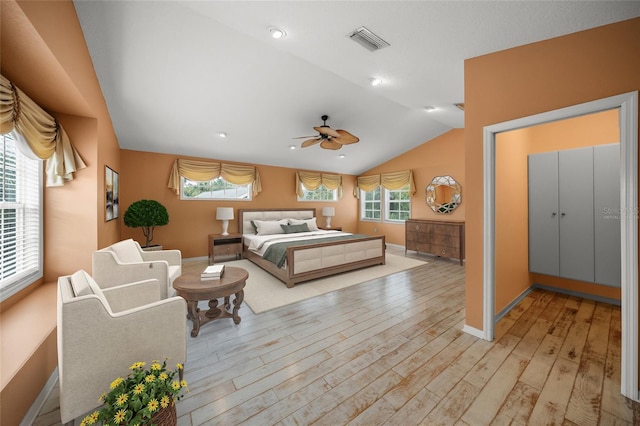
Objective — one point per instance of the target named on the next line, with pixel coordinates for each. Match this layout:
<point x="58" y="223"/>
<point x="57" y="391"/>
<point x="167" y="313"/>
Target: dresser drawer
<point x="436" y="237"/>
<point x="445" y="251"/>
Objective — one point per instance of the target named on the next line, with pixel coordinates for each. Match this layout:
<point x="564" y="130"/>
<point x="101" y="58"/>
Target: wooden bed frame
<point x="315" y="260"/>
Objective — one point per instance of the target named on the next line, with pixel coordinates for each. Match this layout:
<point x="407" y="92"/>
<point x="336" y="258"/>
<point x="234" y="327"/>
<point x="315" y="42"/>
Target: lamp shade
<point x="328" y="211"/>
<point x="224" y="213"/>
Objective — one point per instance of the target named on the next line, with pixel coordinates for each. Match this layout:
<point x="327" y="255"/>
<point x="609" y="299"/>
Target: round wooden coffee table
<point x="190" y="287"/>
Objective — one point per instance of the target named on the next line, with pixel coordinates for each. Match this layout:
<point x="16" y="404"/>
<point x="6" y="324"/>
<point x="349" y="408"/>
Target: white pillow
<point x="311" y="223"/>
<point x="127" y="252"/>
<point x="80" y="283"/>
<point x="269" y="227"/>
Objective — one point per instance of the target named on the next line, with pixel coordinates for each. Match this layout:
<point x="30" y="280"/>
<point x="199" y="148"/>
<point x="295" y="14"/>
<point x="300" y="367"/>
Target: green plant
<point x="138" y="396"/>
<point x="146" y="214"/>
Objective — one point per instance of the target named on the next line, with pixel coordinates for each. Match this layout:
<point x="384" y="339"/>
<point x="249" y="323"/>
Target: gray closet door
<point x="607" y="214"/>
<point x="575" y="178"/>
<point x="543" y="214"/>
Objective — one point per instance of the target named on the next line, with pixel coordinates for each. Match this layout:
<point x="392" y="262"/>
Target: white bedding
<point x="260" y="243"/>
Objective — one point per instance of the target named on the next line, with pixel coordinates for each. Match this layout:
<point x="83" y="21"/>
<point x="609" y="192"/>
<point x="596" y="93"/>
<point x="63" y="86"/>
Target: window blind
<point x="20" y="218"/>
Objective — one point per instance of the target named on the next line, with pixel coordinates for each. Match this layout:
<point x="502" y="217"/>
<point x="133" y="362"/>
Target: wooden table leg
<point x="236" y="306"/>
<point x="193" y="313"/>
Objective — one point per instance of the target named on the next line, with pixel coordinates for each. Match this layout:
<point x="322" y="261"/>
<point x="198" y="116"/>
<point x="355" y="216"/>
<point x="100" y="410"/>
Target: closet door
<point x="575" y="178"/>
<point x="543" y="214"/>
<point x="606" y="162"/>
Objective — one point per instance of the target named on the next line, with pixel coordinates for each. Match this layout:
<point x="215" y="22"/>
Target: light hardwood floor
<point x="391" y="351"/>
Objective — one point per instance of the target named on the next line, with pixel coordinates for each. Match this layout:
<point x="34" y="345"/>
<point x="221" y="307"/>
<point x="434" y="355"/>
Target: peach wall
<point x="528" y="80"/>
<point x="145" y="175"/>
<point x="443" y="155"/>
<point x="43" y="51"/>
<point x="512" y="149"/>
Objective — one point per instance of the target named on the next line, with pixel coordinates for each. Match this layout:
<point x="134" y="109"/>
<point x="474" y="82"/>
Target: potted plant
<point x="144" y="396"/>
<point x="146" y="214"/>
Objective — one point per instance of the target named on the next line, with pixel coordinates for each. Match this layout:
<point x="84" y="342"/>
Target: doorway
<point x="627" y="105"/>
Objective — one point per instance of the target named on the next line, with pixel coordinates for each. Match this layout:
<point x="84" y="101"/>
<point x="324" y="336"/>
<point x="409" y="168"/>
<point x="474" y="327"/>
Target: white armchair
<point x="101" y="332"/>
<point x="125" y="262"/>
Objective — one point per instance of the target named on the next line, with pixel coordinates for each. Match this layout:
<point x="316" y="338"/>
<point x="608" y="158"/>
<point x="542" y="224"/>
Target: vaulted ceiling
<point x="175" y="74"/>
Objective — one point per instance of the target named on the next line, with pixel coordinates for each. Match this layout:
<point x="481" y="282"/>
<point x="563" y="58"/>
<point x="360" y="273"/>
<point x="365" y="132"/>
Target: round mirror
<point x="444" y="194"/>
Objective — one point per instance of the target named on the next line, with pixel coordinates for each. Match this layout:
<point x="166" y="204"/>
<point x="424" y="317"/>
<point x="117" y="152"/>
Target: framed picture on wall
<point x="112" y="185"/>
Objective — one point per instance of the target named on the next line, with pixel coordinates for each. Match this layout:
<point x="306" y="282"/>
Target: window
<point x="370" y="206"/>
<point x="216" y="189"/>
<point x="20" y="218"/>
<point x="320" y="194"/>
<point x="396" y="206"/>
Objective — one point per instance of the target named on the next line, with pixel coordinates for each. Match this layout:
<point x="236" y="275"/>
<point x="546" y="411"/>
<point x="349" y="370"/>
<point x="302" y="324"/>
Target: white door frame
<point x="627" y="105"/>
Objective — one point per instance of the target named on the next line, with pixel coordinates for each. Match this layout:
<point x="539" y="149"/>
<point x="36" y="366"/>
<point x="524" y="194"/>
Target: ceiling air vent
<point x="368" y="39"/>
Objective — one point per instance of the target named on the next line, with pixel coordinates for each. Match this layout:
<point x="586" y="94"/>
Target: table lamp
<point x="328" y="212"/>
<point x="224" y="214"/>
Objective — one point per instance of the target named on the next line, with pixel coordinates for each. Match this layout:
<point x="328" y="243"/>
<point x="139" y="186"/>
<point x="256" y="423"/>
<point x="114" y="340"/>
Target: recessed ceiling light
<point x="375" y="81"/>
<point x="341" y="156"/>
<point x="292" y="147"/>
<point x="222" y="134"/>
<point x="429" y="108"/>
<point x="277" y="32"/>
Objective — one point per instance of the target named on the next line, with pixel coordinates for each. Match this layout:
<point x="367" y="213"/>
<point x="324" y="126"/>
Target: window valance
<point x="33" y="127"/>
<point x="313" y="180"/>
<point x="207" y="170"/>
<point x="392" y="181"/>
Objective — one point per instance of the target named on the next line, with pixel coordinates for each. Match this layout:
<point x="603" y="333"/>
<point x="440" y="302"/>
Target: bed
<point x="325" y="253"/>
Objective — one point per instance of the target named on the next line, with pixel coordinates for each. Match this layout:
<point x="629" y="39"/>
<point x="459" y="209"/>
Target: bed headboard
<point x="245" y="216"/>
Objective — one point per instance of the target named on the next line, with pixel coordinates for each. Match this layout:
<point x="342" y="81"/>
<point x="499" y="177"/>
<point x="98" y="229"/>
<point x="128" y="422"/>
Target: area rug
<point x="264" y="292"/>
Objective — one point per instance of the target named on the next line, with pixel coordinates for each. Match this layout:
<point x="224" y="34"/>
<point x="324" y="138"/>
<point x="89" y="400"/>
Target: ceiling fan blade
<point x="326" y="130"/>
<point x="345" y="138"/>
<point x="330" y="144"/>
<point x="310" y="142"/>
<point x="306" y="137"/>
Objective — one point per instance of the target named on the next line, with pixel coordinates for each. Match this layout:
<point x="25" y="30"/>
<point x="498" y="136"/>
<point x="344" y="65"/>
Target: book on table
<point x="212" y="272"/>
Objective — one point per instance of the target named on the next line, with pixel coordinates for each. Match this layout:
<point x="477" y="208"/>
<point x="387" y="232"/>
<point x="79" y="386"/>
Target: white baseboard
<point x="473" y="331"/>
<point x="37" y="405"/>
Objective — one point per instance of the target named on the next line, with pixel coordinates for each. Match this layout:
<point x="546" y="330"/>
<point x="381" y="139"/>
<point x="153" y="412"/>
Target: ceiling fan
<point x="328" y="137"/>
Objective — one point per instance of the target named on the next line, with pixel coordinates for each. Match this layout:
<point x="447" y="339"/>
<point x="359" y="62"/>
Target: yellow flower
<point x="138" y="389"/>
<point x="163" y="376"/>
<point x="150" y="378"/>
<point x="179" y="366"/>
<point x="93" y="418"/>
<point x="156" y="366"/>
<point x="164" y="402"/>
<point x="183" y="383"/>
<point x="119" y="417"/>
<point x="153" y="405"/>
<point x="137" y="365"/>
<point x="122" y="399"/>
<point x="175" y="385"/>
<point x="116" y="382"/>
<point x="103" y="396"/>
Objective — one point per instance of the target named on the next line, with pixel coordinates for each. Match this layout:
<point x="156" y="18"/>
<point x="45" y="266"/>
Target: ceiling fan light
<point x="429" y="108"/>
<point x="375" y="81"/>
<point x="277" y="32"/>
<point x="222" y="134"/>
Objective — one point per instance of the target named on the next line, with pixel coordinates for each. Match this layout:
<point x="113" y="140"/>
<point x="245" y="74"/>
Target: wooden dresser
<point x="440" y="238"/>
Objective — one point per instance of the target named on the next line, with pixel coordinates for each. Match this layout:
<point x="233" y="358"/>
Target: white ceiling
<point x="175" y="73"/>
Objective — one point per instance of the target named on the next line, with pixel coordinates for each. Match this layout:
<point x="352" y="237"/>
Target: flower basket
<point x="143" y="397"/>
<point x="166" y="416"/>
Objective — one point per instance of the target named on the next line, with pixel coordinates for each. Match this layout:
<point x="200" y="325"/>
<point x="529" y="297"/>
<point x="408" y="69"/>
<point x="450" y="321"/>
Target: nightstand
<point x="224" y="245"/>
<point x="331" y="228"/>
